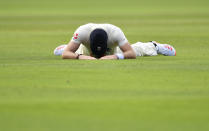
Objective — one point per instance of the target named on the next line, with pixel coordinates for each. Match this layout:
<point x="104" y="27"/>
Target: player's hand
<point x="84" y="57"/>
<point x="108" y="57"/>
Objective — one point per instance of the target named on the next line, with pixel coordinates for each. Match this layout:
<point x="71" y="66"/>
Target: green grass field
<point x="42" y="92"/>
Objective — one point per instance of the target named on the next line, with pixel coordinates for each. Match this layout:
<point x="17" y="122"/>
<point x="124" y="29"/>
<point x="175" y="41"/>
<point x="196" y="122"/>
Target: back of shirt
<point x="115" y="36"/>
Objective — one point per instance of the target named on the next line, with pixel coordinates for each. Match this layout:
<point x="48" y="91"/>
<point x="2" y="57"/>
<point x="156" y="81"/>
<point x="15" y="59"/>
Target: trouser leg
<point x="142" y="49"/>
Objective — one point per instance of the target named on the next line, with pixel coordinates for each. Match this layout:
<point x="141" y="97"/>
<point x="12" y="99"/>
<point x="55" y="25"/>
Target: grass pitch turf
<point x="39" y="91"/>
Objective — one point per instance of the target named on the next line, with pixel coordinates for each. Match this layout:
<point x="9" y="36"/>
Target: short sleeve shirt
<point x="116" y="36"/>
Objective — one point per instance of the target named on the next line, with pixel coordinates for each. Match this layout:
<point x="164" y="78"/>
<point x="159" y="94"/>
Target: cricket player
<point x="105" y="41"/>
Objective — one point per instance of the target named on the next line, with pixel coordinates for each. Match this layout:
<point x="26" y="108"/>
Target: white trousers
<point x="141" y="49"/>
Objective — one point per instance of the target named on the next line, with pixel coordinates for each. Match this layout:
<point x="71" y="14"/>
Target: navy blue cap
<point x="98" y="42"/>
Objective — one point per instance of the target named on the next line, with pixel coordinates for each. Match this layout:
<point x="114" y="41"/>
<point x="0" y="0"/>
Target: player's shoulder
<point x="90" y="25"/>
<point x="110" y="26"/>
<point x="114" y="28"/>
<point x="85" y="26"/>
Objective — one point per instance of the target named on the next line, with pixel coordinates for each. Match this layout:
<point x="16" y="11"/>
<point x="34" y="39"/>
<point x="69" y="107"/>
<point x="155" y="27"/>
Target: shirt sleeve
<point x="79" y="35"/>
<point x="120" y="37"/>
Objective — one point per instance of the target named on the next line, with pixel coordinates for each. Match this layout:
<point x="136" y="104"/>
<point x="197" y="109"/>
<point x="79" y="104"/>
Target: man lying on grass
<point x="106" y="41"/>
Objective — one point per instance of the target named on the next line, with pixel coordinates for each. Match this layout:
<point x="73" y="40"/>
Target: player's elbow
<point x="132" y="55"/>
<point x="64" y="55"/>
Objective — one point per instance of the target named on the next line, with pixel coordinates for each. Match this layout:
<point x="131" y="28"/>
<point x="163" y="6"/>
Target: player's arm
<point x="69" y="52"/>
<point x="73" y="45"/>
<point x="124" y="45"/>
<point x="127" y="50"/>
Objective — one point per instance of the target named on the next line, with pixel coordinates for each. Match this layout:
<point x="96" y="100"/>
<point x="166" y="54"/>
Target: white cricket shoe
<point x="59" y="50"/>
<point x="164" y="49"/>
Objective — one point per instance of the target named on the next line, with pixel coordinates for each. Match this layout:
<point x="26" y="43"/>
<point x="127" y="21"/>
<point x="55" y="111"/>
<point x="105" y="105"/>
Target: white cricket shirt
<point x="116" y="36"/>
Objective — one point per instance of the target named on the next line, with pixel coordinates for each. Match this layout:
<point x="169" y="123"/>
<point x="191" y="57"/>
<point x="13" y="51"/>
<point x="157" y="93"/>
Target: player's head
<point x="98" y="42"/>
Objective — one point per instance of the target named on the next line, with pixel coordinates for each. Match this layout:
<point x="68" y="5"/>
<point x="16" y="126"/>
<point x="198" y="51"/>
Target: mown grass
<point x="39" y="91"/>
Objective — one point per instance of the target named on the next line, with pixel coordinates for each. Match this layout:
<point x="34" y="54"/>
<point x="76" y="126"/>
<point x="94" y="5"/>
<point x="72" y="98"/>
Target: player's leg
<point x="81" y="50"/>
<point x="142" y="49"/>
<point x="151" y="49"/>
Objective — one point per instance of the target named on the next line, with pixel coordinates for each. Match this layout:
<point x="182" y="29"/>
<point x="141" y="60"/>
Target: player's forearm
<point x="108" y="57"/>
<point x="69" y="55"/>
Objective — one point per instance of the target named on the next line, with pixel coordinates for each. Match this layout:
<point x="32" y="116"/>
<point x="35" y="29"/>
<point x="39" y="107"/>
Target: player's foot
<point x="164" y="49"/>
<point x="59" y="50"/>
